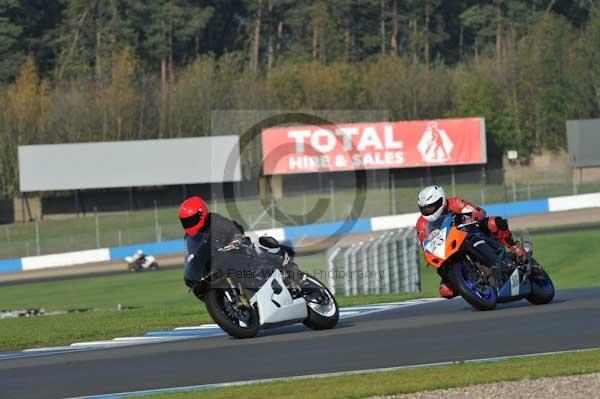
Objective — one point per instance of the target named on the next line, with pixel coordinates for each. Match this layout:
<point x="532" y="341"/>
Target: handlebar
<point x="229" y="247"/>
<point x="236" y="243"/>
<point x="470" y="223"/>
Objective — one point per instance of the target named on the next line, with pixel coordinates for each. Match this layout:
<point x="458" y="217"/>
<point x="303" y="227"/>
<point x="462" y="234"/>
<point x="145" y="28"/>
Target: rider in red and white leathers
<point x="433" y="204"/>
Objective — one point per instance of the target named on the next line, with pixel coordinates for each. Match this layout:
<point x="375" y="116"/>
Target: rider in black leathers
<point x="209" y="233"/>
<point x="205" y="234"/>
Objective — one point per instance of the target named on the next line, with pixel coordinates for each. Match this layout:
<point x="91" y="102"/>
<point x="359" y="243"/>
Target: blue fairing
<point x="506" y="290"/>
<point x="447" y="222"/>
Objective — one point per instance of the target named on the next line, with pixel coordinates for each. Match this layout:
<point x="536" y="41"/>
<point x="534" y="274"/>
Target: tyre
<point x="131" y="268"/>
<point x="239" y="323"/>
<point x="323" y="312"/>
<point x="154" y="266"/>
<point x="542" y="288"/>
<point x="469" y="283"/>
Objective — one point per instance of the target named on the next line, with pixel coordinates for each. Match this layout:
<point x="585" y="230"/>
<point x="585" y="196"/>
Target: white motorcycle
<point x="147" y="262"/>
<point x="245" y="292"/>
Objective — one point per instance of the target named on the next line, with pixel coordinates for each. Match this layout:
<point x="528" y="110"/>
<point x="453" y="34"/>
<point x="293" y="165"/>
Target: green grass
<point x="77" y="233"/>
<point x="161" y="300"/>
<point x="409" y="380"/>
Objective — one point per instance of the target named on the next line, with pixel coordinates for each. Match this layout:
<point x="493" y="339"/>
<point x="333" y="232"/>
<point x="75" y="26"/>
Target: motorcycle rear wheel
<point x="468" y="283"/>
<point x="218" y="309"/>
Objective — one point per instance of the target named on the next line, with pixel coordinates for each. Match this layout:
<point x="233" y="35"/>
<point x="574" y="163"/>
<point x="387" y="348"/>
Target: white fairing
<point x="514" y="283"/>
<point x="436" y="243"/>
<point x="147" y="262"/>
<point x="269" y="312"/>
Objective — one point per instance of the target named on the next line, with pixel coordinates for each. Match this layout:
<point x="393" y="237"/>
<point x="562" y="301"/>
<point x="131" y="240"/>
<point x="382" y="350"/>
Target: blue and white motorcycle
<point x="479" y="268"/>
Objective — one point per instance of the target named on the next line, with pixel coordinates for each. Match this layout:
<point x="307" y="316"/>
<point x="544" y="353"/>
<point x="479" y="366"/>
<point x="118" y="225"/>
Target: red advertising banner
<point x="386" y="145"/>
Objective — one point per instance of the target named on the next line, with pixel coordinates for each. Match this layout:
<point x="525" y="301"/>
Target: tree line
<point x="96" y="70"/>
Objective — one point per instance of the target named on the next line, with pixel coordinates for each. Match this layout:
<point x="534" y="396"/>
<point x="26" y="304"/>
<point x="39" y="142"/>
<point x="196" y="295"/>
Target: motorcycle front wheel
<point x="470" y="283"/>
<point x="235" y="319"/>
<point x="323" y="310"/>
<point x="542" y="288"/>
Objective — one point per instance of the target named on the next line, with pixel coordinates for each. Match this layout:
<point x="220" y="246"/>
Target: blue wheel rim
<point x="487" y="296"/>
<point x="545" y="284"/>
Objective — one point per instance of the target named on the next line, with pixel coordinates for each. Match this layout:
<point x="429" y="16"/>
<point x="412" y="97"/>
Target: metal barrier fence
<point x="384" y="264"/>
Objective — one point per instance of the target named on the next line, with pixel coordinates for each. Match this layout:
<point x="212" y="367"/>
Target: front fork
<point x="489" y="254"/>
<point x="236" y="294"/>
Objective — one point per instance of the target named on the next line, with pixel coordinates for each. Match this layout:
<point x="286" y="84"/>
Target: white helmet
<point x="139" y="252"/>
<point x="432" y="201"/>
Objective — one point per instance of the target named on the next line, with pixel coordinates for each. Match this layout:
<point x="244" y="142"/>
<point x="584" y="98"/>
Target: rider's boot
<point x="446" y="291"/>
<point x="283" y="256"/>
<point x="292" y="271"/>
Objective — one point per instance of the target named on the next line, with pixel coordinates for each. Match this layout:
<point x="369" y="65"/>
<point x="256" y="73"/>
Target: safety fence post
<point x="410" y="262"/>
<point x="331" y="255"/>
<point x="405" y="261"/>
<point x="156" y="222"/>
<point x="395" y="264"/>
<point x="414" y="261"/>
<point x="373" y="275"/>
<point x="97" y="227"/>
<point x="354" y="271"/>
<point x="347" y="268"/>
<point x="37" y="237"/>
<point x="365" y="266"/>
<point x="386" y="262"/>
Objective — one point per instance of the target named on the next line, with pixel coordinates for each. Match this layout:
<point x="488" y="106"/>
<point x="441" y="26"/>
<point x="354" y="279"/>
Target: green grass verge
<point x="161" y="300"/>
<point x="409" y="380"/>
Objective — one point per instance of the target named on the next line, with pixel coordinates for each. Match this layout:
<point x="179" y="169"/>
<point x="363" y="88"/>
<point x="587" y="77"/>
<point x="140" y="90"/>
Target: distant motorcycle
<point x="247" y="291"/>
<point x="480" y="270"/>
<point x="140" y="264"/>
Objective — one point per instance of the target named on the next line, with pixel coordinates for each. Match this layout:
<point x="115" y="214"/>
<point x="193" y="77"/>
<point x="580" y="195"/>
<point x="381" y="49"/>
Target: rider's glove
<point x="519" y="251"/>
<point x="478" y="214"/>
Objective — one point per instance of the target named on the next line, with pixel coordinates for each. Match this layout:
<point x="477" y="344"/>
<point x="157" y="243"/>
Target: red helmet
<point x="192" y="213"/>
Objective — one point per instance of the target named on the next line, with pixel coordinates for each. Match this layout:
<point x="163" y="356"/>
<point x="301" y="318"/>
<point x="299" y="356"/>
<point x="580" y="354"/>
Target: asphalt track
<point x="429" y="333"/>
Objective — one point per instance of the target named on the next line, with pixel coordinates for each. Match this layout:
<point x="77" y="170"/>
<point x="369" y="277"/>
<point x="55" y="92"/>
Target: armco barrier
<point x="295" y="233"/>
<point x="571" y="202"/>
<point x="327" y="229"/>
<point x="154" y="248"/>
<point x="520" y="208"/>
<point x="11" y="265"/>
<point x="65" y="259"/>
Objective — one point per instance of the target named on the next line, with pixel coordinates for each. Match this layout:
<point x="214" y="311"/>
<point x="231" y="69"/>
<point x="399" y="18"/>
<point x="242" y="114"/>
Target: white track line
<point x="196" y="388"/>
<point x="54" y="348"/>
<point x="198" y="327"/>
